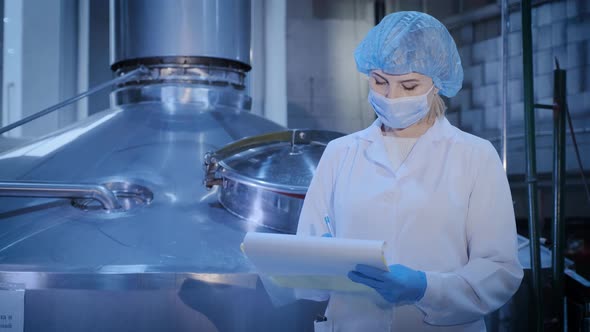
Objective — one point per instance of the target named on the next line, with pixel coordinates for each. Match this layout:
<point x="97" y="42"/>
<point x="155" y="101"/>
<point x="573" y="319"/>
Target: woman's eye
<point x="409" y="88"/>
<point x="379" y="82"/>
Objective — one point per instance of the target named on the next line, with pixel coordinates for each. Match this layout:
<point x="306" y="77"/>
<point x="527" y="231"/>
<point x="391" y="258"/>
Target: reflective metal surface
<point x="146" y="301"/>
<point x="183" y="74"/>
<point x="156" y="145"/>
<point x="182" y="245"/>
<point x="206" y="97"/>
<point x="128" y="195"/>
<point x="170" y="258"/>
<point x="274" y="210"/>
<point x="210" y="30"/>
<point x="264" y="178"/>
<point x="104" y="196"/>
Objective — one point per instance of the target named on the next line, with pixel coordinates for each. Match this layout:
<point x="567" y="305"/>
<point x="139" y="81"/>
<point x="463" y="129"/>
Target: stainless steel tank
<point x="264" y="179"/>
<point x="191" y="32"/>
<point x="139" y="243"/>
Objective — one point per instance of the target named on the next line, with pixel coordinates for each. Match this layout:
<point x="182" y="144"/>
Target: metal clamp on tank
<point x="264" y="178"/>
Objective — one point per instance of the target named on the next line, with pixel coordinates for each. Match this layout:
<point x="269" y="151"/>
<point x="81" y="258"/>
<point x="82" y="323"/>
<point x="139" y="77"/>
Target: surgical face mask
<point x="401" y="112"/>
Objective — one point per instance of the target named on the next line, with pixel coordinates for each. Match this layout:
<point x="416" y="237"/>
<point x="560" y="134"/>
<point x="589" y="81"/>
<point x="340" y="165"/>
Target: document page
<point x="312" y="262"/>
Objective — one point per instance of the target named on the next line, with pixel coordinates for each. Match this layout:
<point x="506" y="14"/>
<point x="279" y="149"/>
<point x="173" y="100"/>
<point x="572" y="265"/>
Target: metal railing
<point x="61" y="190"/>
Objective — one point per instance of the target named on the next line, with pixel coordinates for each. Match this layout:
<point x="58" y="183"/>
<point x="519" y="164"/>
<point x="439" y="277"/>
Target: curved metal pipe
<point x="102" y="86"/>
<point x="61" y="190"/>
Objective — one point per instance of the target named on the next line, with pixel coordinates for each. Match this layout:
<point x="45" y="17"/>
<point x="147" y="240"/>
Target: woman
<point x="438" y="196"/>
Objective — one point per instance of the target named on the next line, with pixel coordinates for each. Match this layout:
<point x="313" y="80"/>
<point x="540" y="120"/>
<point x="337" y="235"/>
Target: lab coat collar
<point x="376" y="151"/>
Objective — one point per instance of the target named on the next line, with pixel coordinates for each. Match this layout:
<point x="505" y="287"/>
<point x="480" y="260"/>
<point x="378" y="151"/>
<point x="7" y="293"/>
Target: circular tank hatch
<point x="264" y="179"/>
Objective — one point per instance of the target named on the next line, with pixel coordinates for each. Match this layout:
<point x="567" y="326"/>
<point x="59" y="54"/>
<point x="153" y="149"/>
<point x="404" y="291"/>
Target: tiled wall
<point x="560" y="29"/>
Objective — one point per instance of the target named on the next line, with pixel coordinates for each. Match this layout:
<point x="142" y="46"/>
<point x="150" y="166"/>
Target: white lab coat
<point x="447" y="211"/>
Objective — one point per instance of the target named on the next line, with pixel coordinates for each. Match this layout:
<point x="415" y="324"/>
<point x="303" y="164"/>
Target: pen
<point x="329" y="225"/>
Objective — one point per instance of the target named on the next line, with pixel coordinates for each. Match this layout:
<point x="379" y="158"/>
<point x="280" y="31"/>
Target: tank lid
<point x="283" y="161"/>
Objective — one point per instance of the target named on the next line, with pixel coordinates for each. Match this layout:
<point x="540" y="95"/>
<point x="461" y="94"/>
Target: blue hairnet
<point x="406" y="42"/>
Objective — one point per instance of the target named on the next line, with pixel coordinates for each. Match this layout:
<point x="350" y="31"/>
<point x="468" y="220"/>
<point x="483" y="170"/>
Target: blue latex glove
<point x="327" y="235"/>
<point x="401" y="285"/>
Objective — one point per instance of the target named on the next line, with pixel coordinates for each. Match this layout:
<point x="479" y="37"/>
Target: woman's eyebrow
<point x="412" y="80"/>
<point x="381" y="77"/>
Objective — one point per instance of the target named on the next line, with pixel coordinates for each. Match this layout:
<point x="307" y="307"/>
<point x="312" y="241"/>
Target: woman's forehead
<point x="402" y="77"/>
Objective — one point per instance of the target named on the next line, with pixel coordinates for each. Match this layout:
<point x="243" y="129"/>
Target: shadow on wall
<point x="300" y="116"/>
<point x="324" y="89"/>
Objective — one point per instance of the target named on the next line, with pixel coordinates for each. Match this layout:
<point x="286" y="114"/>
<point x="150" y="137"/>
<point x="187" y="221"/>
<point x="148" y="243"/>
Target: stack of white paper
<point x="312" y="262"/>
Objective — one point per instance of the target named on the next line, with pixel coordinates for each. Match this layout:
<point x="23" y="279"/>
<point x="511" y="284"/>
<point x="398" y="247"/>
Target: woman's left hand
<point x="399" y="285"/>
